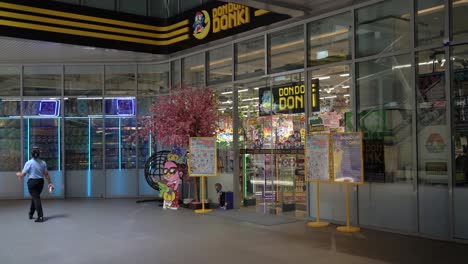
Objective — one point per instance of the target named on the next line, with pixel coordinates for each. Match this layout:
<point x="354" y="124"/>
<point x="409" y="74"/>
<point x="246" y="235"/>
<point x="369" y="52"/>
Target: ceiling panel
<point x="25" y="51"/>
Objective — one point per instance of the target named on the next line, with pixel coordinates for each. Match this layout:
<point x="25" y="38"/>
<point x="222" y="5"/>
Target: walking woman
<point x="36" y="170"/>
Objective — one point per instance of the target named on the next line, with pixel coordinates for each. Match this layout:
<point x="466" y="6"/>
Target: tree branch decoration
<point x="185" y="112"/>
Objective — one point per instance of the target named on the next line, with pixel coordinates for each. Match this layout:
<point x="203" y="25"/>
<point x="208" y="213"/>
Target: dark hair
<point x="35" y="153"/>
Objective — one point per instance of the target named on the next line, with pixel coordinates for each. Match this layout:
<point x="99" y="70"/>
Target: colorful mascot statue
<point x="172" y="174"/>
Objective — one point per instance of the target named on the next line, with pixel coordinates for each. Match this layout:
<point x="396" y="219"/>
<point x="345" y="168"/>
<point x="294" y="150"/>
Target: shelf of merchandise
<point x="10" y="142"/>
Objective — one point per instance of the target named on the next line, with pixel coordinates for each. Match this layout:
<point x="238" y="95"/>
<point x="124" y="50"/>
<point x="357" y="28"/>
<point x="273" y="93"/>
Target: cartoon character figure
<point x="172" y="175"/>
<point x="199" y="23"/>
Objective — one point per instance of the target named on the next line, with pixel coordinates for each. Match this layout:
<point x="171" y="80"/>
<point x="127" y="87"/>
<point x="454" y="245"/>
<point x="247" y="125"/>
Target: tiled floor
<point x="122" y="231"/>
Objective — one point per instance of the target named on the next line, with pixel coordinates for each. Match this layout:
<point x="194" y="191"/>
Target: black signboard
<point x="315" y="96"/>
<point x="65" y="23"/>
<point x="286" y="98"/>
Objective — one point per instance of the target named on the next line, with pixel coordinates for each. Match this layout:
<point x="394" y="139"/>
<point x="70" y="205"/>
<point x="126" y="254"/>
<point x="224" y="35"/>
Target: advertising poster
<point x="203" y="158"/>
<point x="347" y="158"/>
<point x="317" y="154"/>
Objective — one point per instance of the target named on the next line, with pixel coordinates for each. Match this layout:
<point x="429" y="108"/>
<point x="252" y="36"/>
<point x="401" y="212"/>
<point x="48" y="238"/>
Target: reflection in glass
<point x="384" y="111"/>
<point x="334" y="98"/>
<point x="433" y="137"/>
<point x="219" y="65"/>
<point x="329" y="39"/>
<point x="42" y="81"/>
<point x="83" y="106"/>
<point x="383" y="27"/>
<point x="430" y="22"/>
<point x="120" y="80"/>
<point x="460" y="138"/>
<point x="459" y="11"/>
<point x="250" y="58"/>
<point x="10" y="81"/>
<point x="286" y="49"/>
<point x="83" y="80"/>
<point x="193" y="70"/>
<point x="10" y="107"/>
<point x="153" y="79"/>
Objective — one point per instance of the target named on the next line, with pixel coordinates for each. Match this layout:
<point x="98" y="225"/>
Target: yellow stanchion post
<point x="348" y="228"/>
<point x="317" y="222"/>
<point x="203" y="210"/>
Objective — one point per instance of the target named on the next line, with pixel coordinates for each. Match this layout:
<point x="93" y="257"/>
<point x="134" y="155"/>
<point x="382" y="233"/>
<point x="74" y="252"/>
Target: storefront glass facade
<point x="393" y="70"/>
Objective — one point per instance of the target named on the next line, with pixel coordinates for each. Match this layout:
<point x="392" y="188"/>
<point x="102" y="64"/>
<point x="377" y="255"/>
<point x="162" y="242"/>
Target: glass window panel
<point x="329" y="39"/>
<point x="430" y="22"/>
<point x="220" y="65"/>
<point x="153" y="79"/>
<point x="83" y="144"/>
<point x="459" y="28"/>
<point x="10" y="107"/>
<point x="83" y="80"/>
<point x="163" y="9"/>
<point x="42" y="81"/>
<point x="433" y="137"/>
<point x="250" y="58"/>
<point x="10" y="81"/>
<point x="103" y="4"/>
<point x="83" y="106"/>
<point x="433" y="132"/>
<point x="460" y="139"/>
<point x="384" y="110"/>
<point x="137" y="7"/>
<point x="334" y="98"/>
<point x="120" y="153"/>
<point x="383" y="27"/>
<point x="286" y="49"/>
<point x="120" y="80"/>
<point x="175" y="73"/>
<point x="193" y="70"/>
<point x="10" y="139"/>
<point x="189" y="4"/>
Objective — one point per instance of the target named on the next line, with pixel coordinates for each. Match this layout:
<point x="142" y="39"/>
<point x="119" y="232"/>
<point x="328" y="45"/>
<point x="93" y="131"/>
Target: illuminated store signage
<point x="49" y="108"/>
<point x="288" y="98"/>
<point x="220" y="19"/>
<point x="315" y="96"/>
<point x="81" y="25"/>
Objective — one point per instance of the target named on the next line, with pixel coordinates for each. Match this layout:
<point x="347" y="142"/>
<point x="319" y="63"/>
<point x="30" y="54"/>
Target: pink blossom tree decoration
<point x="185" y="112"/>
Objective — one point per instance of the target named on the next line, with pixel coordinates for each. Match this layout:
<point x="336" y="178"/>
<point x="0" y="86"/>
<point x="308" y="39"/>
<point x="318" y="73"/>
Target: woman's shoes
<point x="39" y="219"/>
<point x="31" y="217"/>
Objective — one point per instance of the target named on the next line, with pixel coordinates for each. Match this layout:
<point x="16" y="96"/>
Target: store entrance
<point x="272" y="136"/>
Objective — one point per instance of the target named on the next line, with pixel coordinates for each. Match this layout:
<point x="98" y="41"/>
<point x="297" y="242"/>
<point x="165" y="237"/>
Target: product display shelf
<point x="10" y="152"/>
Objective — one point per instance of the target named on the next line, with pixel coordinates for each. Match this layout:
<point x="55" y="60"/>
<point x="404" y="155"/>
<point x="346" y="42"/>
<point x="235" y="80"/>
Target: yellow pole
<point x="203" y="192"/>
<point x="203" y="210"/>
<point x="347" y="205"/>
<point x="348" y="228"/>
<point x="317" y="222"/>
<point x="317" y="201"/>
